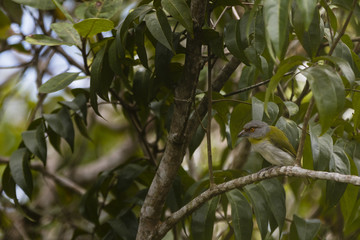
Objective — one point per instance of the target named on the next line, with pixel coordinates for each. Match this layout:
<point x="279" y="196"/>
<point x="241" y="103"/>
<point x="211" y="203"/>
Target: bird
<point x="270" y="142"/>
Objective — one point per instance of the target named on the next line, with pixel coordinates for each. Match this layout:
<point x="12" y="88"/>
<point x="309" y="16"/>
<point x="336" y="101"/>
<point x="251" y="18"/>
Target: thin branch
<point x="208" y="127"/>
<point x="62" y="181"/>
<point x="69" y="59"/>
<point x="230" y="100"/>
<point x="247" y="88"/>
<point x="303" y="132"/>
<point x="291" y="171"/>
<point x="221" y="15"/>
<point x="342" y="32"/>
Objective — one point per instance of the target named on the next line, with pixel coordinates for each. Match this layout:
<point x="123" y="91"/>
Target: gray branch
<point x="293" y="171"/>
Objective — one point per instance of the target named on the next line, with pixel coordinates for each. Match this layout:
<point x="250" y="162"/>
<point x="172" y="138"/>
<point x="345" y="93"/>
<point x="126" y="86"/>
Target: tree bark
<point x="177" y="139"/>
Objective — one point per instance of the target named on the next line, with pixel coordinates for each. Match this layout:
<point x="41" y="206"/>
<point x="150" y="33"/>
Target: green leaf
<point x="284" y="67"/>
<point x="20" y="170"/>
<point x="276" y="19"/>
<point x="275" y="197"/>
<point x="257" y="108"/>
<point x="339" y="163"/>
<point x="8" y="183"/>
<point x="39" y="4"/>
<point x="321" y="146"/>
<point x="202" y="221"/>
<point x="63" y="10"/>
<point x="179" y="10"/>
<point x="330" y="15"/>
<point x="139" y="41"/>
<point x="232" y="40"/>
<point x="241" y="215"/>
<point x="239" y="116"/>
<point x="13" y="10"/>
<point x="328" y="91"/>
<point x="62" y="125"/>
<point x="141" y="86"/>
<point x="35" y="141"/>
<point x="342" y="64"/>
<point x="103" y="9"/>
<point x="261" y="208"/>
<point x="311" y="38"/>
<point x="101" y="77"/>
<point x="58" y="82"/>
<point x="356" y="107"/>
<point x="4" y="25"/>
<point x="39" y="39"/>
<point x="290" y="129"/>
<point x="137" y="12"/>
<point x="92" y="26"/>
<point x="306" y="9"/>
<point x="78" y="104"/>
<point x="159" y="27"/>
<point x="67" y="32"/>
<point x="291" y="107"/>
<point x="304" y="229"/>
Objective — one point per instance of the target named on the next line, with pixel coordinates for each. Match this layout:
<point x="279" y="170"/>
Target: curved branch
<point x="292" y="171"/>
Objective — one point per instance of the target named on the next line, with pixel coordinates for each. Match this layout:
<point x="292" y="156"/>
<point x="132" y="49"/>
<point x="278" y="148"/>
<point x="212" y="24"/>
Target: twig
<point x="69" y="59"/>
<point x="84" y="55"/>
<point x="303" y="132"/>
<point x="208" y="127"/>
<point x="342" y="32"/>
<point x="62" y="181"/>
<point x="230" y="100"/>
<point x="221" y="15"/>
<point x="292" y="171"/>
<point x="247" y="88"/>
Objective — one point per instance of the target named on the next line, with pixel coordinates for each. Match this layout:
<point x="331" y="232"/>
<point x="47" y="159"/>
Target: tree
<point x="113" y="145"/>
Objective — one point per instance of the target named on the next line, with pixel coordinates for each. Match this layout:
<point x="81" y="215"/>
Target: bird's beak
<point x="242" y="133"/>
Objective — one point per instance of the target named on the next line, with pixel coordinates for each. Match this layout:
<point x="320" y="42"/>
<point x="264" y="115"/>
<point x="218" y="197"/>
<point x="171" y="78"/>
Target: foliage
<point x="102" y="128"/>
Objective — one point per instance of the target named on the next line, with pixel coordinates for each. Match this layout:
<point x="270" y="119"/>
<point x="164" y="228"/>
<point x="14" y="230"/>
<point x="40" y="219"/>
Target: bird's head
<point x="255" y="129"/>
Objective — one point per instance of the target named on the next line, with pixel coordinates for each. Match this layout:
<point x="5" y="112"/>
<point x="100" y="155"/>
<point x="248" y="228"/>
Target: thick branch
<point x="293" y="171"/>
<point x="177" y="138"/>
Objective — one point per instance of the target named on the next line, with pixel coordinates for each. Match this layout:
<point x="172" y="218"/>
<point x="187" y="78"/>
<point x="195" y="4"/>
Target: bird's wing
<point x="279" y="139"/>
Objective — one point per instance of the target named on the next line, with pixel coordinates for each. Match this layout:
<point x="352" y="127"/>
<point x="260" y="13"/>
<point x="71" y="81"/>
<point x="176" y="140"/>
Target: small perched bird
<point x="270" y="142"/>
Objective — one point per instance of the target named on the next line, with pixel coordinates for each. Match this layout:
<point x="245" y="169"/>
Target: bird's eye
<point x="252" y="129"/>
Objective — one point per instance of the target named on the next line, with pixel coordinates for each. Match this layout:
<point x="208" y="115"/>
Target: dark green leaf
<point x="39" y="39"/>
<point x="276" y="19"/>
<point x="101" y="77"/>
<point x="232" y="40"/>
<point x="304" y="229"/>
<point x="311" y="38"/>
<point x="261" y="208"/>
<point x="328" y="91"/>
<point x="159" y="27"/>
<point x="54" y="139"/>
<point x="67" y="32"/>
<point x="13" y="10"/>
<point x="290" y="129"/>
<point x="92" y="26"/>
<point x="39" y="4"/>
<point x="343" y="65"/>
<point x="179" y="10"/>
<point x="339" y="163"/>
<point x="35" y="141"/>
<point x="20" y="170"/>
<point x="239" y="116"/>
<point x="197" y="137"/>
<point x="8" y="183"/>
<point x="137" y="12"/>
<point x="58" y="82"/>
<point x="321" y="146"/>
<point x="141" y="86"/>
<point x="62" y="125"/>
<point x="275" y="197"/>
<point x="306" y="9"/>
<point x="241" y="215"/>
<point x="81" y="126"/>
<point x="139" y="41"/>
<point x="79" y="105"/>
<point x="202" y="221"/>
<point x="330" y="15"/>
<point x="292" y="108"/>
<point x="356" y="107"/>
